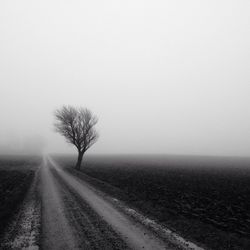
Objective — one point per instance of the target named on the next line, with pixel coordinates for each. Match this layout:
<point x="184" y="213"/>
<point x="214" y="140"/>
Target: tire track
<point x="68" y="221"/>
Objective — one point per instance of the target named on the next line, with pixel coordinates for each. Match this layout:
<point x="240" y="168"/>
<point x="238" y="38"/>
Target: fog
<point x="166" y="77"/>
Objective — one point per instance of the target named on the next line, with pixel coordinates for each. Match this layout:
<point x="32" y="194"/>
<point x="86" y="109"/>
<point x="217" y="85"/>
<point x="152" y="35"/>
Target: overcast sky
<point x="162" y="76"/>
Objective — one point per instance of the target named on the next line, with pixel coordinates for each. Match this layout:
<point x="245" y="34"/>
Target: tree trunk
<point x="79" y="161"/>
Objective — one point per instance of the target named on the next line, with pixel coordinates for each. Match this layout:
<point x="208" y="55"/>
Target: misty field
<point x="16" y="175"/>
<point x="204" y="199"/>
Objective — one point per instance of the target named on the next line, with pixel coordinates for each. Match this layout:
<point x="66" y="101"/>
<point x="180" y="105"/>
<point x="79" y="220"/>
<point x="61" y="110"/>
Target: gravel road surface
<point x="75" y="215"/>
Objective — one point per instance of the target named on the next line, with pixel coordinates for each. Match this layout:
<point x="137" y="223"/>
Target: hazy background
<point x="163" y="76"/>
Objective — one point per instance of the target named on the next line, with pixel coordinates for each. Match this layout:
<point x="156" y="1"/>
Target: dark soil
<point x="206" y="203"/>
<point x="16" y="175"/>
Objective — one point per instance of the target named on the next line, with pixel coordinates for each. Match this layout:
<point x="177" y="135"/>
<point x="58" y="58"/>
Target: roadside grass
<point x="16" y="175"/>
<point x="209" y="205"/>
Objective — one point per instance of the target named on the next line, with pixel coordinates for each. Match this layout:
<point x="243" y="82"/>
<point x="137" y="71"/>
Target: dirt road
<point x="77" y="216"/>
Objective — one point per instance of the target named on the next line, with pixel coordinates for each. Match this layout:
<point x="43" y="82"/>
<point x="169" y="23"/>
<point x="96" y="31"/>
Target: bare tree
<point x="77" y="126"/>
